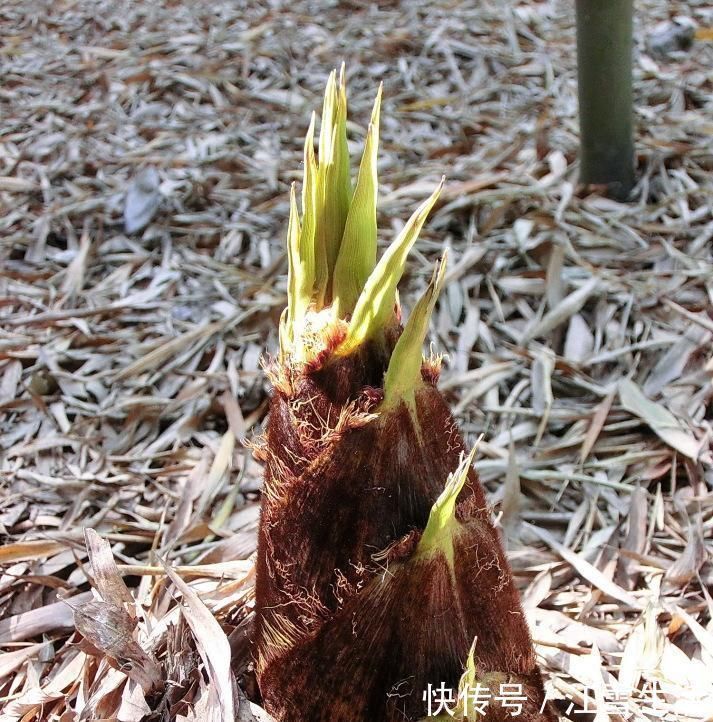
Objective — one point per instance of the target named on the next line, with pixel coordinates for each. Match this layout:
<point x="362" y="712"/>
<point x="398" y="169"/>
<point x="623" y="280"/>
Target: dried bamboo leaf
<point x="569" y="305"/>
<point x="105" y="575"/>
<point x="22" y="551"/>
<point x="142" y="200"/>
<point x="57" y="616"/>
<point x="110" y="630"/>
<point x="691" y="559"/>
<point x="635" y="540"/>
<point x="661" y="421"/>
<point x="212" y="645"/>
<point x="81" y="449"/>
<point x="586" y="570"/>
<point x="599" y="417"/>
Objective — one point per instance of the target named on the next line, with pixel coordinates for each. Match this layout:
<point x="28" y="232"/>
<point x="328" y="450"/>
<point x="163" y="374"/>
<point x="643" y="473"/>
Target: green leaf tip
<point x="403" y="375"/>
<point x="332" y="248"/>
<point x="334" y="189"/>
<point x="377" y="299"/>
<point x="469" y="680"/>
<point x="300" y="276"/>
<point x="305" y="255"/>
<point x="357" y="254"/>
<point x="465" y="710"/>
<point x="442" y="523"/>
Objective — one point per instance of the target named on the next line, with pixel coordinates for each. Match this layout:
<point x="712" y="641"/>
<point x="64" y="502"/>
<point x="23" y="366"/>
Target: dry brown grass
<point x="129" y="363"/>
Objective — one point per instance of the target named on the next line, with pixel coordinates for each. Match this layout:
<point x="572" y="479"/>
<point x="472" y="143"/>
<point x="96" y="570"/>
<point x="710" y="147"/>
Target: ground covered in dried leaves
<point x="146" y="151"/>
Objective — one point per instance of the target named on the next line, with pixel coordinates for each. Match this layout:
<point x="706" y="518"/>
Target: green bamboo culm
<point x="604" y="62"/>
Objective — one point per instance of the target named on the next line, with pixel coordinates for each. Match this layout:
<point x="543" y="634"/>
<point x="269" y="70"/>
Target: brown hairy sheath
<point x="378" y="567"/>
<point x="352" y="623"/>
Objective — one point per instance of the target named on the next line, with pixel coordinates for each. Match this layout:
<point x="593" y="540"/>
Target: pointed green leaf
<point x="465" y="710"/>
<point x="284" y="334"/>
<point x="309" y="173"/>
<point x="403" y="375"/>
<point x="308" y="252"/>
<point x="442" y="522"/>
<point x="300" y="274"/>
<point x="468" y="681"/>
<point x="329" y="107"/>
<point x="334" y="185"/>
<point x="294" y="268"/>
<point x="340" y="178"/>
<point x="357" y="254"/>
<point x="376" y="302"/>
<point x="341" y="147"/>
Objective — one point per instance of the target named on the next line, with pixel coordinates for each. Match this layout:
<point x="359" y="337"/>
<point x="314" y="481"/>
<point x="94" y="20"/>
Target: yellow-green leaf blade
<point x="309" y="205"/>
<point x="311" y="254"/>
<point x="357" y="253"/>
<point x="662" y="422"/>
<point x="299" y="283"/>
<point x="333" y="182"/>
<point x="403" y="375"/>
<point x="442" y="522"/>
<point x="376" y="302"/>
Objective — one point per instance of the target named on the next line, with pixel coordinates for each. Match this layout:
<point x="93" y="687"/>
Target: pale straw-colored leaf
<point x="566" y="308"/>
<point x="212" y="645"/>
<point x="661" y="421"/>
